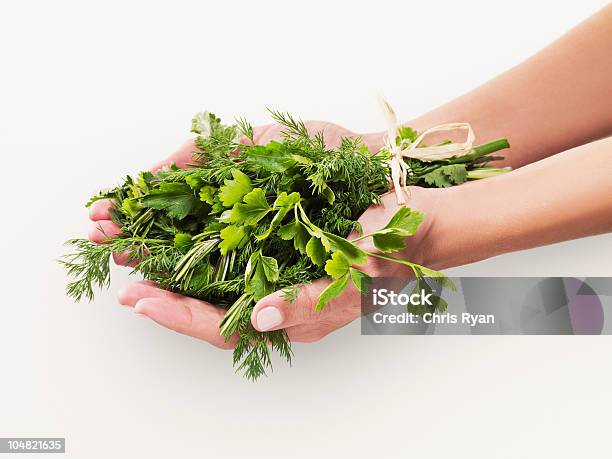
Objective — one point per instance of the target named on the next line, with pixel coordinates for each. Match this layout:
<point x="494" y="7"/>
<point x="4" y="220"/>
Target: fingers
<point x="100" y="210"/>
<point x="102" y="230"/>
<point x="179" y="313"/>
<point x="129" y="295"/>
<point x="277" y="311"/>
<point x="299" y="317"/>
<point x="181" y="157"/>
<point x="266" y="133"/>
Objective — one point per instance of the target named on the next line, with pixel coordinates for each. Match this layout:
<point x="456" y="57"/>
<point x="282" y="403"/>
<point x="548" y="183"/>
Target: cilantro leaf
<point x="284" y="204"/>
<point x="405" y="222"/>
<point x="234" y="190"/>
<point x="270" y="267"/>
<point x="436" y="276"/>
<point x="254" y="208"/>
<point x="260" y="275"/>
<point x="352" y="253"/>
<point x="337" y="266"/>
<point x="316" y="251"/>
<point x="360" y="279"/>
<point x="177" y="199"/>
<point x="233" y="237"/>
<point x="388" y="242"/>
<point x="407" y="133"/>
<point x="207" y="194"/>
<point x="332" y="291"/>
<point x="447" y="175"/>
<point x="296" y="231"/>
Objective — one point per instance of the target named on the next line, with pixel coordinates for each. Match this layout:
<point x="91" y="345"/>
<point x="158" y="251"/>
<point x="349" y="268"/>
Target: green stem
<point x="361" y="238"/>
<point x="486" y="172"/>
<point x="482" y="150"/>
<point x="397" y="260"/>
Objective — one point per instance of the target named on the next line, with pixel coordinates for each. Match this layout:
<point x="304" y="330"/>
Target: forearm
<point x="554" y="101"/>
<point x="563" y="197"/>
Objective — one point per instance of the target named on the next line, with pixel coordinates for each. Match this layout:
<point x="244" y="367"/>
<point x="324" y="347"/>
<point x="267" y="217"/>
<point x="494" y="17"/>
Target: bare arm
<point x="566" y="196"/>
<point x="556" y="100"/>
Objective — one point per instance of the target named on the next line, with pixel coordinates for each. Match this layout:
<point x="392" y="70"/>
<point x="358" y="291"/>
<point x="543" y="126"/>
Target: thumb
<point x="284" y="309"/>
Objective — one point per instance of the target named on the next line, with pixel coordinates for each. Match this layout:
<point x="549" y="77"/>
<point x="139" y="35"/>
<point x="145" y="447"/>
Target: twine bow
<point x="399" y="169"/>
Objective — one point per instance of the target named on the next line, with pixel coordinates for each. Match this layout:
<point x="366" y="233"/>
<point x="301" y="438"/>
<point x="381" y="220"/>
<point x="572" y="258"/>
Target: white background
<point x="91" y="91"/>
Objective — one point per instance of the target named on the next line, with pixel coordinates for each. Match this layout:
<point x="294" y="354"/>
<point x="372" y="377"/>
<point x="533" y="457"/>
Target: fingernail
<point x="140" y="314"/>
<point x="268" y="318"/>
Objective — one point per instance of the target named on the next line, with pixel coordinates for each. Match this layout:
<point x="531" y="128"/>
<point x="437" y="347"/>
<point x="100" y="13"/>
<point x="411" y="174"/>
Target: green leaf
<point x="437" y="276"/>
<point x="233" y="237"/>
<point x="296" y="231"/>
<point x="254" y="208"/>
<point x="438" y="303"/>
<point x="272" y="157"/>
<point x="259" y="285"/>
<point x="407" y="133"/>
<point x="301" y="160"/>
<point x="234" y="190"/>
<point x="352" y="253"/>
<point x="260" y="275"/>
<point x="328" y="194"/>
<point x="389" y="242"/>
<point x="286" y="201"/>
<point x="316" y="251"/>
<point x="284" y="204"/>
<point x="177" y="199"/>
<point x="332" y="291"/>
<point x="360" y="279"/>
<point x="337" y="266"/>
<point x="405" y="222"/>
<point x="207" y="194"/>
<point x="201" y="277"/>
<point x="131" y="207"/>
<point x="270" y="267"/>
<point x="457" y="173"/>
<point x="447" y="175"/>
<point x="183" y="242"/>
<point x="194" y="181"/>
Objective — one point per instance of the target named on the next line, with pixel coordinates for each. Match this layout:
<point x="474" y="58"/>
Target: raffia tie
<point x="399" y="169"/>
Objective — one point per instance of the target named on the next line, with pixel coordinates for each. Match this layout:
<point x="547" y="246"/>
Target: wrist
<point x="418" y="246"/>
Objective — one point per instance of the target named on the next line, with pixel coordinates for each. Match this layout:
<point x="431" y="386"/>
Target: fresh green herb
<point x="247" y="220"/>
